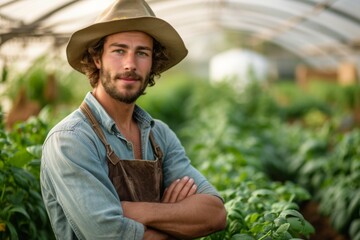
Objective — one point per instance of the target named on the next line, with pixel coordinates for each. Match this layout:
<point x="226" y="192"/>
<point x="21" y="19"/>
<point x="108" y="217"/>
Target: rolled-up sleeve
<point x="77" y="192"/>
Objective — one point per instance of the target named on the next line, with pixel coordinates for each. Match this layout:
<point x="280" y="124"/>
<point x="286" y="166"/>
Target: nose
<point x="130" y="62"/>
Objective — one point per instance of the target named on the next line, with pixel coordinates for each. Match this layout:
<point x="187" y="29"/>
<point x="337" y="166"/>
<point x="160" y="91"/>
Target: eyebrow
<point x="126" y="46"/>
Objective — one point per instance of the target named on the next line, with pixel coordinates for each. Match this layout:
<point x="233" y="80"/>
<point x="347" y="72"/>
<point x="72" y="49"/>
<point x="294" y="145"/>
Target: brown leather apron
<point x="134" y="180"/>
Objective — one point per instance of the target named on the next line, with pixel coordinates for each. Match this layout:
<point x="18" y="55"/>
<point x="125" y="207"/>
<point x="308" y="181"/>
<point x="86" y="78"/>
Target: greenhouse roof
<point x="322" y="33"/>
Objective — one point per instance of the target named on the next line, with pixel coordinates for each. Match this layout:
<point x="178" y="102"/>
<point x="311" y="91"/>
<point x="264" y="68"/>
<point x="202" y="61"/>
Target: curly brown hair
<point x="160" y="58"/>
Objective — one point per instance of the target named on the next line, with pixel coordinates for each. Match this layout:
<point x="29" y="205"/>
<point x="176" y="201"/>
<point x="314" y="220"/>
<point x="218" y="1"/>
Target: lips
<point x="128" y="76"/>
<point x="129" y="79"/>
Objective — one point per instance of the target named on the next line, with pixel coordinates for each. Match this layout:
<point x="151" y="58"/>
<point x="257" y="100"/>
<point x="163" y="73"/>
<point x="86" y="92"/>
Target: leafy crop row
<point x="223" y="143"/>
<point x="292" y="136"/>
<point x="258" y="208"/>
<point x="22" y="213"/>
<point x="330" y="168"/>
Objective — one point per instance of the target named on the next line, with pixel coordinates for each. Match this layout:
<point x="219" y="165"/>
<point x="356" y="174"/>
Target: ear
<point x="97" y="62"/>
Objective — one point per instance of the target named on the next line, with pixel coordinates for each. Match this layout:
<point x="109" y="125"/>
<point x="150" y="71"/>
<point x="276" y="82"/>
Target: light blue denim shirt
<point x="79" y="197"/>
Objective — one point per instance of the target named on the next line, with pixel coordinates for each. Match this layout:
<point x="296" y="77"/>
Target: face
<point x="125" y="65"/>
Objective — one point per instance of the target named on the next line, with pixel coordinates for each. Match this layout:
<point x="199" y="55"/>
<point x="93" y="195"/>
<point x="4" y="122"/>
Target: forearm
<point x="152" y="234"/>
<point x="197" y="215"/>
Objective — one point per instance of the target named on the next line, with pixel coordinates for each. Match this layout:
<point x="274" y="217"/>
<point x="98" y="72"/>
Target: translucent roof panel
<point x="320" y="32"/>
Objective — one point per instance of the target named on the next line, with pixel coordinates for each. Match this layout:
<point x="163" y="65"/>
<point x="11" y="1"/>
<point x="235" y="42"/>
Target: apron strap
<point x="157" y="150"/>
<point x="109" y="152"/>
<point x="96" y="127"/>
<point x="121" y="173"/>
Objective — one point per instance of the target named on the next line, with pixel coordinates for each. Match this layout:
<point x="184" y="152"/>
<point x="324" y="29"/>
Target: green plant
<point x="166" y="96"/>
<point x="258" y="209"/>
<point x="48" y="84"/>
<point x="22" y="213"/>
<point x="339" y="196"/>
<point x="230" y="155"/>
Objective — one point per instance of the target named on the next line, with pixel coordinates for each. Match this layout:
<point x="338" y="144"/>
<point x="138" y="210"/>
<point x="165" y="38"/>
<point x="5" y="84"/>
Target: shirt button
<point x="129" y="145"/>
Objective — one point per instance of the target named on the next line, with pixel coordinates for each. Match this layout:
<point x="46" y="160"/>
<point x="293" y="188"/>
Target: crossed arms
<point x="181" y="214"/>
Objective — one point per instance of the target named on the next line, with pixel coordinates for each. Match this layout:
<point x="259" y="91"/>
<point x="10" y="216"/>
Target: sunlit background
<point x="320" y="33"/>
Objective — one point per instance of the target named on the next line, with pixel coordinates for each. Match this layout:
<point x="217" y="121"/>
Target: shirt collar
<point x="142" y="117"/>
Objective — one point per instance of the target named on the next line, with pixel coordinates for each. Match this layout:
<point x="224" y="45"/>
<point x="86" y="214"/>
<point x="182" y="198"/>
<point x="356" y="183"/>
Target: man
<point x="110" y="171"/>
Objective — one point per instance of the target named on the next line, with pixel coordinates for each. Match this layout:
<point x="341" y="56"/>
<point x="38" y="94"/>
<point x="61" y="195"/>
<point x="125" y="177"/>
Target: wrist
<point x="137" y="211"/>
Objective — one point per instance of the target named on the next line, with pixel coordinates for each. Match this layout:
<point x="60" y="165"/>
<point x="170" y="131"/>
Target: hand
<point x="179" y="190"/>
<point x="176" y="192"/>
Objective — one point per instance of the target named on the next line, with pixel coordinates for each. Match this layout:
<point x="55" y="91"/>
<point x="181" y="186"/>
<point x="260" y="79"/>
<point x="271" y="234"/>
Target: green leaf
<point x="21" y="211"/>
<point x="20" y="180"/>
<point x="23" y="178"/>
<point x="20" y="158"/>
<point x="291" y="205"/>
<point x="235" y="227"/>
<point x="35" y="150"/>
<point x="35" y="195"/>
<point x="12" y="230"/>
<point x="300" y="226"/>
<point x="290" y="212"/>
<point x="35" y="163"/>
<point x="270" y="217"/>
<point x="252" y="218"/>
<point x="355" y="228"/>
<point x="296" y="224"/>
<point x="263" y="192"/>
<point x="281" y="206"/>
<point x="235" y="213"/>
<point x="33" y="230"/>
<point x="279" y="221"/>
<point x="308" y="228"/>
<point x="356" y="237"/>
<point x="283" y="228"/>
<point x="242" y="236"/>
<point x="354" y="203"/>
<point x="340" y="219"/>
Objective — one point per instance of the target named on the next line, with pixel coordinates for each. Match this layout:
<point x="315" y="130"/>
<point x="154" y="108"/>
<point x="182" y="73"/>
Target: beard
<point x="126" y="96"/>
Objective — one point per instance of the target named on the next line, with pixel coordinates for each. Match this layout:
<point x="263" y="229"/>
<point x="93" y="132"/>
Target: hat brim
<point x="159" y="29"/>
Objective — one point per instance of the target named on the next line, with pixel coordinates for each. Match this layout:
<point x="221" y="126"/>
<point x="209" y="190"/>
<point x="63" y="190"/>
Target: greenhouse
<point x="266" y="104"/>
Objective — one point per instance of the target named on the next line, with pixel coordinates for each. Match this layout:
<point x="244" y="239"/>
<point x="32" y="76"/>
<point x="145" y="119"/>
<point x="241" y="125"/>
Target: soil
<point x="322" y="225"/>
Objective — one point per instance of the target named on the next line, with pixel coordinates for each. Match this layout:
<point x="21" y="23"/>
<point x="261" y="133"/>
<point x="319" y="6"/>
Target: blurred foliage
<point x="267" y="148"/>
<point x="285" y="132"/>
<point x="167" y="101"/>
<point x="48" y="82"/>
<point x="22" y="212"/>
<point x="228" y="155"/>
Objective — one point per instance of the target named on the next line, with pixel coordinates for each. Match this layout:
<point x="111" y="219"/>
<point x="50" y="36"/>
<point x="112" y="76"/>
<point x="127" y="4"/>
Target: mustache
<point x="129" y="74"/>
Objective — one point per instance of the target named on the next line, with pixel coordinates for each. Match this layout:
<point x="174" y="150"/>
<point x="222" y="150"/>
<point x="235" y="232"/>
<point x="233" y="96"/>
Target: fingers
<point x="182" y="189"/>
<point x="169" y="190"/>
<point x="179" y="190"/>
<point x="192" y="190"/>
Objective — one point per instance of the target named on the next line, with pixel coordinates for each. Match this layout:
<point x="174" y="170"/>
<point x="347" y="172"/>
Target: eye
<point x="121" y="51"/>
<point x="142" y="53"/>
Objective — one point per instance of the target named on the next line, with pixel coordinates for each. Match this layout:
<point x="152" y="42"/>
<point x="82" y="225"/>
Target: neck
<point x="121" y="113"/>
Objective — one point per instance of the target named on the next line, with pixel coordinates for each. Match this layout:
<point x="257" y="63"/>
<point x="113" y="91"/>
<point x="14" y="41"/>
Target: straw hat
<point x="122" y="16"/>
